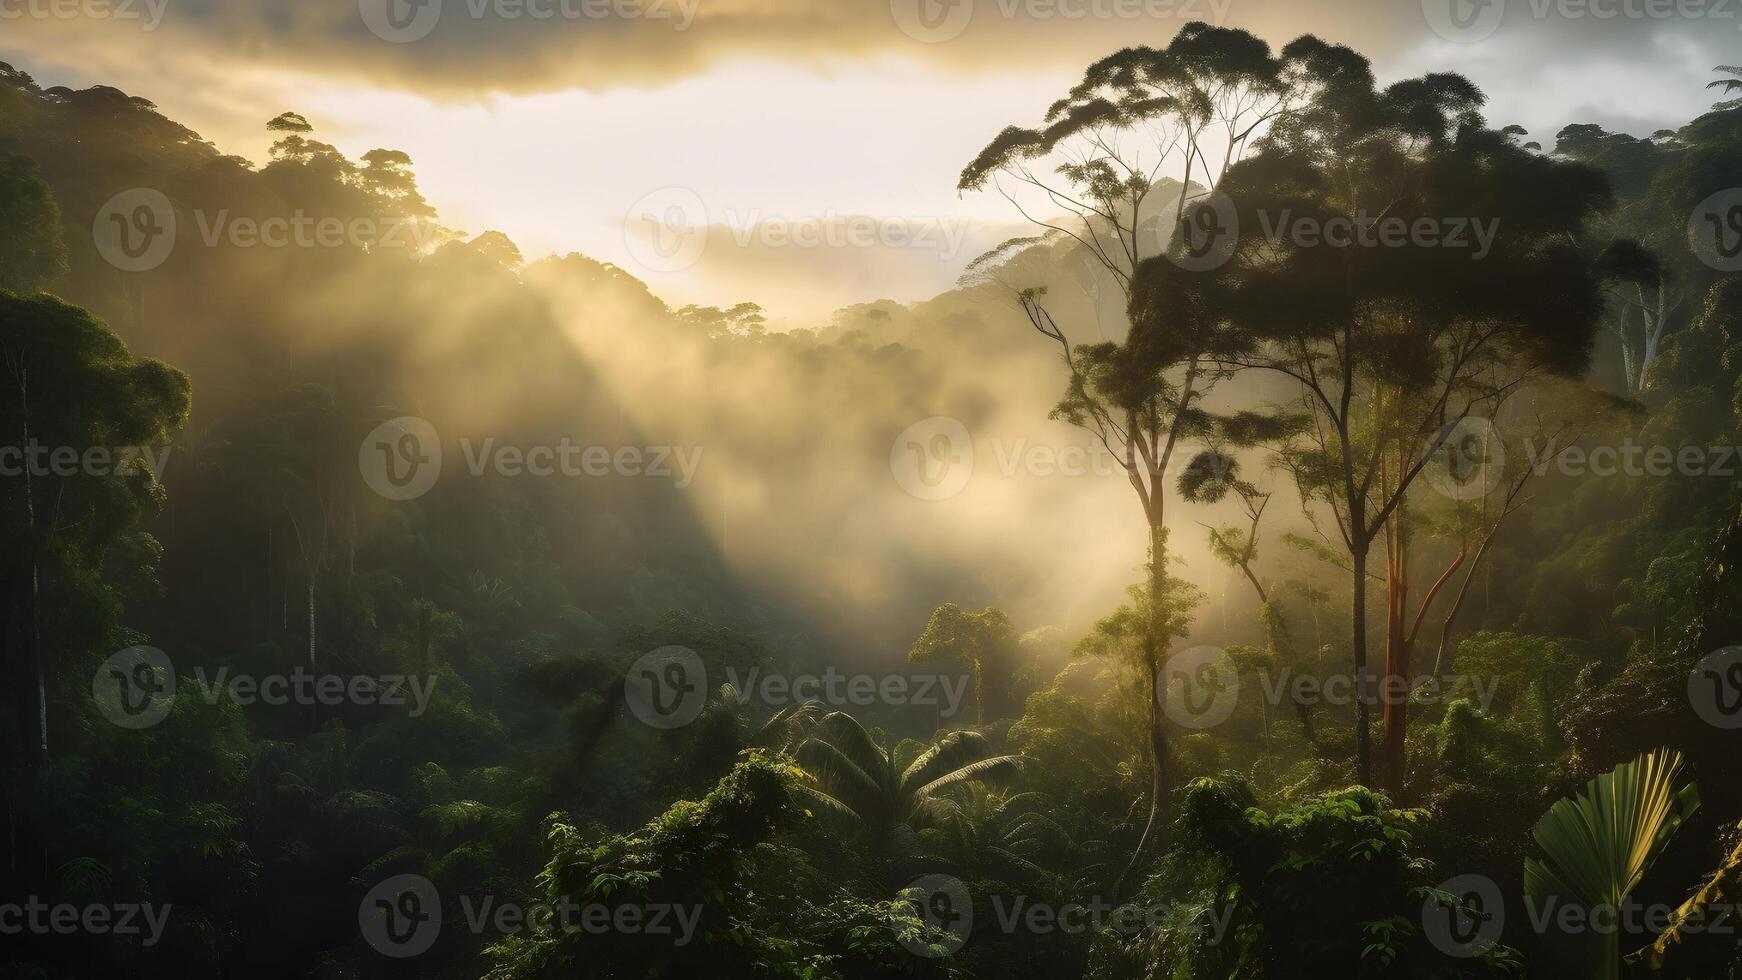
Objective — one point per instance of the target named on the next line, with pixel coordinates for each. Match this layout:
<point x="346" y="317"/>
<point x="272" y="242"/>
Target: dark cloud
<point x="458" y="49"/>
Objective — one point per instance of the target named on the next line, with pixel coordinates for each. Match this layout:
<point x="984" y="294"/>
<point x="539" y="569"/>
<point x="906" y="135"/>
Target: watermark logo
<point x="1464" y="916"/>
<point x="945" y="906"/>
<point x="1199" y="687"/>
<point x="1464" y="21"/>
<point x="135" y="230"/>
<point x="401" y="459"/>
<point x="1715" y="688"/>
<point x="667" y="688"/>
<point x="401" y="917"/>
<point x="932" y="21"/>
<point x="401" y="21"/>
<point x="1715" y="230"/>
<point x="667" y="230"/>
<point x="1206" y="234"/>
<point x="135" y="688"/>
<point x="1470" y="460"/>
<point x="933" y="459"/>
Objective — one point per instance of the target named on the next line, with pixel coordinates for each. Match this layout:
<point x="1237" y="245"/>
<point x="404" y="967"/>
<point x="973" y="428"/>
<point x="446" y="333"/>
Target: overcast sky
<point x="552" y="120"/>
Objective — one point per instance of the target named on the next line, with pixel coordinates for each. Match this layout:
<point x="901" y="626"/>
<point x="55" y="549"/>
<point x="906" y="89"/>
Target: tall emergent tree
<point x="1407" y="266"/>
<point x="1113" y="172"/>
<point x="79" y="414"/>
<point x="986" y="644"/>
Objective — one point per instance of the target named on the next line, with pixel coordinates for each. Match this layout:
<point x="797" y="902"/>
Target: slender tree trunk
<point x="1394" y="709"/>
<point x="311" y="619"/>
<point x="1399" y="655"/>
<point x="1154" y="652"/>
<point x="1358" y="640"/>
<point x="36" y="645"/>
<point x="25" y="697"/>
<point x="1653" y="321"/>
<point x="1443" y="656"/>
<point x="22" y="714"/>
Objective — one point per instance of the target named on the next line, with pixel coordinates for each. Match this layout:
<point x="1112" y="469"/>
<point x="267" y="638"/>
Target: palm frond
<point x="840" y="777"/>
<point x="450" y="818"/>
<point x="844" y="732"/>
<point x="826" y="803"/>
<point x="404" y="856"/>
<point x="1688" y="921"/>
<point x="998" y="771"/>
<point x="1026" y="871"/>
<point x="1599" y="845"/>
<point x="1037" y="833"/>
<point x="788" y="726"/>
<point x="951" y="752"/>
<point x="1728" y="86"/>
<point x="941" y="814"/>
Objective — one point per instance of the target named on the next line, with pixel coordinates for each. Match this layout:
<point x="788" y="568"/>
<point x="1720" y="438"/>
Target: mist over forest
<point x="1302" y="542"/>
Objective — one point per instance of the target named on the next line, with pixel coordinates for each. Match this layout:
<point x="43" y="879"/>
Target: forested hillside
<point x="681" y="664"/>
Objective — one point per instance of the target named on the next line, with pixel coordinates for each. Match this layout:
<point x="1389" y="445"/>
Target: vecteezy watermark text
<point x="401" y="459"/>
<point x="1466" y="916"/>
<point x="135" y="688"/>
<point x="1472" y="21"/>
<point x="670" y="229"/>
<point x="567" y="458"/>
<point x="135" y="231"/>
<point x="936" y="458"/>
<point x="149" y="13"/>
<point x="1200" y="688"/>
<point x="945" y="905"/>
<point x="35" y="459"/>
<point x="1633" y="459"/>
<point x="401" y="917"/>
<point x="308" y="688"/>
<point x="937" y="21"/>
<point x="838" y="689"/>
<point x="668" y="688"/>
<point x="404" y="21"/>
<point x="595" y="919"/>
<point x="1364" y="230"/>
<point x="33" y="915"/>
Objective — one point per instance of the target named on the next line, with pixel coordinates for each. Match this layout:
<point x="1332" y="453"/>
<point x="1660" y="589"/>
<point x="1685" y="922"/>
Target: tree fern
<point x="1727" y="86"/>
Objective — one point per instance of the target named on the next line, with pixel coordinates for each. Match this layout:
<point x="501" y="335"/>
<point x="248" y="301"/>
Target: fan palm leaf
<point x="1598" y="846"/>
